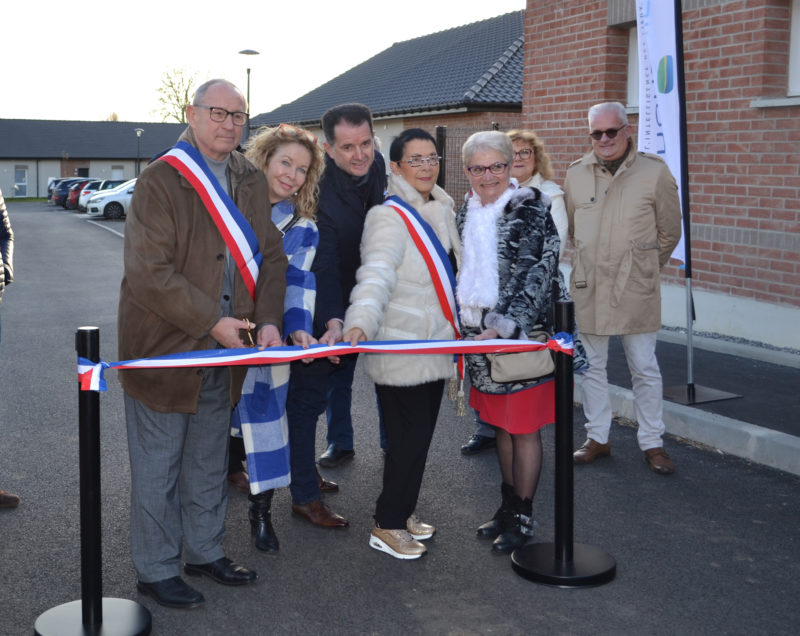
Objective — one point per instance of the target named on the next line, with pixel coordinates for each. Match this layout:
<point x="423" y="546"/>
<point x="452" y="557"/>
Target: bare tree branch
<point x="174" y="94"/>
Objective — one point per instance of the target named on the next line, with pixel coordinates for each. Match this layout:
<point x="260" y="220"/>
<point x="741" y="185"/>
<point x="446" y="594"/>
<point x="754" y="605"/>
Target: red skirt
<point x="518" y="413"/>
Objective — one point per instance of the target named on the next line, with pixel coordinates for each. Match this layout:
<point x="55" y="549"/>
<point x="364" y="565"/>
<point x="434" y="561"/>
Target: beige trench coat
<point x="623" y="228"/>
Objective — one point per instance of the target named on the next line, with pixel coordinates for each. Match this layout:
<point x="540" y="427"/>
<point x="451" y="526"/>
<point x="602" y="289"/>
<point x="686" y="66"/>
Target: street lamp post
<point x="248" y="52"/>
<point x="138" y="132"/>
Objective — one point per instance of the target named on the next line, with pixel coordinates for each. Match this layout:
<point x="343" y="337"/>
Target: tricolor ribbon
<point x="432" y="252"/>
<point x="90" y="375"/>
<point x="236" y="231"/>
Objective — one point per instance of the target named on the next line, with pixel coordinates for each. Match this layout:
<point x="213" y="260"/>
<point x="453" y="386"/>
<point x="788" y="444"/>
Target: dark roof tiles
<point x="471" y="65"/>
<point x="54" y="139"/>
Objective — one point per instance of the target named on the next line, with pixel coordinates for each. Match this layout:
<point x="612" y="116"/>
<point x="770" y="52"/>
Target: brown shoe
<point x="240" y="481"/>
<point x="8" y="500"/>
<point x="659" y="461"/>
<point x="590" y="451"/>
<point x="318" y="513"/>
<point x="325" y="485"/>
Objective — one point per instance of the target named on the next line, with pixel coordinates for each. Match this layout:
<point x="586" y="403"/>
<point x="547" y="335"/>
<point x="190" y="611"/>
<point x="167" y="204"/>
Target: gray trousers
<point x="179" y="496"/>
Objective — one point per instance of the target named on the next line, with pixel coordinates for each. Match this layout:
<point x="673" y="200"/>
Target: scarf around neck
<point x="478" y="278"/>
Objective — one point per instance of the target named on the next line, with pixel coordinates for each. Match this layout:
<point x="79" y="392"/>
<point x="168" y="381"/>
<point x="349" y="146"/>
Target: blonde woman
<point x="292" y="162"/>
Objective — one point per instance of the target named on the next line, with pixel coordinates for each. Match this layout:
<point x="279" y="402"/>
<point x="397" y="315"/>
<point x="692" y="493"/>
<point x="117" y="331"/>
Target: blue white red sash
<point x="91" y="374"/>
<point x="432" y="251"/>
<point x="236" y="231"/>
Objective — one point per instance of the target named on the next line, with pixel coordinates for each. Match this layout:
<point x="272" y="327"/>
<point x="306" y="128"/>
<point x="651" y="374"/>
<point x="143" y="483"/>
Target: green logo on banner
<point x="664" y="80"/>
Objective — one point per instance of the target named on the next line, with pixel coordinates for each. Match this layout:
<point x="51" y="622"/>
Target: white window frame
<point x="21" y="185"/>
<point x="794" y="50"/>
<point x="633" y="67"/>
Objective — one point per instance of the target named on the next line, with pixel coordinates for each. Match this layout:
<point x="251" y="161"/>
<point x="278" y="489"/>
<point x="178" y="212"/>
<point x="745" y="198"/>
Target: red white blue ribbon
<point x="432" y="251"/>
<point x="236" y="231"/>
<point x="91" y="374"/>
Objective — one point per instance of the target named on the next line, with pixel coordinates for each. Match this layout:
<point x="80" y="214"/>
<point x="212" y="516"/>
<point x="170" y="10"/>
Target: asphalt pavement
<point x="712" y="549"/>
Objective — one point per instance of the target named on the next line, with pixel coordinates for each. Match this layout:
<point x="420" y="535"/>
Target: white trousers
<point x="640" y="353"/>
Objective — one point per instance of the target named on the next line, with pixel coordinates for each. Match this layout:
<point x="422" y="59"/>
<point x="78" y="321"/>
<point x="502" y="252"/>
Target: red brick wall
<point x="459" y="128"/>
<point x="744" y="162"/>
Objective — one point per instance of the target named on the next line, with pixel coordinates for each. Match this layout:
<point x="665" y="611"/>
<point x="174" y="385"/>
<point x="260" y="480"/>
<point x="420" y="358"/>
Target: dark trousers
<point x="305" y="402"/>
<point x="409" y="414"/>
<point x="339" y="401"/>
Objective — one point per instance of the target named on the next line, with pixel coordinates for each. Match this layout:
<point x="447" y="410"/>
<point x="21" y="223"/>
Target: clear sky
<point x="88" y="59"/>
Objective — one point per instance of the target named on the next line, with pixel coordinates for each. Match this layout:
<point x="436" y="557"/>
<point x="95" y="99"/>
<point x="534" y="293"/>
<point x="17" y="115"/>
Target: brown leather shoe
<point x="8" y="500"/>
<point x="318" y="513"/>
<point x="590" y="451"/>
<point x="659" y="461"/>
<point x="325" y="485"/>
<point x="240" y="481"/>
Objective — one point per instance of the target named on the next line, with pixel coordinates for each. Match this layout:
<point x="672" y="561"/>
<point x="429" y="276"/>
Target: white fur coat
<point x="394" y="298"/>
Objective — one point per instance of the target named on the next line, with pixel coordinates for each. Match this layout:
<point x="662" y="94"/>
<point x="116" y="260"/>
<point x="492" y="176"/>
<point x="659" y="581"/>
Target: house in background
<point x="742" y="63"/>
<point x="33" y="152"/>
<point x="460" y="80"/>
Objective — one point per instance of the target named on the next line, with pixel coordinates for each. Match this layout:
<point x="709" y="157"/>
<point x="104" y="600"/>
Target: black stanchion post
<point x="564" y="404"/>
<point x="92" y="614"/>
<point x="87" y="344"/>
<point x="564" y="563"/>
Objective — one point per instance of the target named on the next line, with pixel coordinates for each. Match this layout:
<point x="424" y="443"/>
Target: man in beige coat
<point x="624" y="222"/>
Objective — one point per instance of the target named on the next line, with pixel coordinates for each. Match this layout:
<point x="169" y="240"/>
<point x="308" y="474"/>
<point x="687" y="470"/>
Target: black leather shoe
<point x="478" y="443"/>
<point x="174" y="592"/>
<point x="223" y="571"/>
<point x="334" y="456"/>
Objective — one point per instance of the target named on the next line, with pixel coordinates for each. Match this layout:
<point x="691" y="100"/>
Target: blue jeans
<point x="339" y="398"/>
<point x="305" y="402"/>
<point x="482" y="428"/>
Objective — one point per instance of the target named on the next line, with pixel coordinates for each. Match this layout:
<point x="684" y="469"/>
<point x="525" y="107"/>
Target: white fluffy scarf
<point x="478" y="278"/>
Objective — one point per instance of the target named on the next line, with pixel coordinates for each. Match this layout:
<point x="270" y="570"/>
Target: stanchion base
<point x="696" y="394"/>
<point x="121" y="617"/>
<point x="590" y="565"/>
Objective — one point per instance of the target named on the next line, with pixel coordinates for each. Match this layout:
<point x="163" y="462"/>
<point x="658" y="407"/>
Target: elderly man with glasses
<point x="203" y="266"/>
<point x="624" y="222"/>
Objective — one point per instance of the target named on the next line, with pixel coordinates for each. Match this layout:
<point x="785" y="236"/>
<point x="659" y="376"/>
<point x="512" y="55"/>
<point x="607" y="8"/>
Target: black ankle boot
<point x="261" y="521"/>
<point x="491" y="529"/>
<point x="519" y="530"/>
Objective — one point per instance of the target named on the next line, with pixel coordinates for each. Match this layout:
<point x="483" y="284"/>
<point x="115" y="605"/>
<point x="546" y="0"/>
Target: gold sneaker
<point x="399" y="543"/>
<point x="418" y="529"/>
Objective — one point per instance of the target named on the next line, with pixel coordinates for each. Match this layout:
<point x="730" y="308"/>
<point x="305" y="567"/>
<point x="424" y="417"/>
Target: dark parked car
<point x="61" y="191"/>
<point x="53" y="185"/>
<point x="71" y="202"/>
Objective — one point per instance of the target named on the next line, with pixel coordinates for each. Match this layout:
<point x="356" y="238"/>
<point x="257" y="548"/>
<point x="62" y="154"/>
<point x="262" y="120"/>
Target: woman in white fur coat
<point x="395" y="299"/>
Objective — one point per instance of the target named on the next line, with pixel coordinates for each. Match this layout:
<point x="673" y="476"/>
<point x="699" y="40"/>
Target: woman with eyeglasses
<point x="395" y="298"/>
<point x="532" y="169"/>
<point x="291" y="160"/>
<point x="509" y="263"/>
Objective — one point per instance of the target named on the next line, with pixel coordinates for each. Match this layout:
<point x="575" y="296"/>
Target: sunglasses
<point x="597" y="135"/>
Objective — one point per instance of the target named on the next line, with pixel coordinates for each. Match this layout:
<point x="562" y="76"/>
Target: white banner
<point x="659" y="105"/>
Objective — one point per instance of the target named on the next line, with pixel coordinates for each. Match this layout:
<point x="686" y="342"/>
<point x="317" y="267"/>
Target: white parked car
<point x="93" y="187"/>
<point x="111" y="204"/>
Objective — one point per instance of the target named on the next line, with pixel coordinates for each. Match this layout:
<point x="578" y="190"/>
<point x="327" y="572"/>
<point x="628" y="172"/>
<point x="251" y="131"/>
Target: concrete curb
<point x="754" y="443"/>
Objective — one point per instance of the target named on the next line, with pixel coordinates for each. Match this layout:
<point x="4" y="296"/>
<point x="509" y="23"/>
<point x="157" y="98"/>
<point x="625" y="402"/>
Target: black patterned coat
<point x="6" y="248"/>
<point x="527" y="249"/>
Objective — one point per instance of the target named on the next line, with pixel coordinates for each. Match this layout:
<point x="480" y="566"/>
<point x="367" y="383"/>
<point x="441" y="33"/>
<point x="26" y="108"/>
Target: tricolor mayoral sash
<point x="236" y="231"/>
<point x="432" y="251"/>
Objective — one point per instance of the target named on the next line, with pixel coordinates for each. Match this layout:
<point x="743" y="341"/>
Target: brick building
<point x="742" y="69"/>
